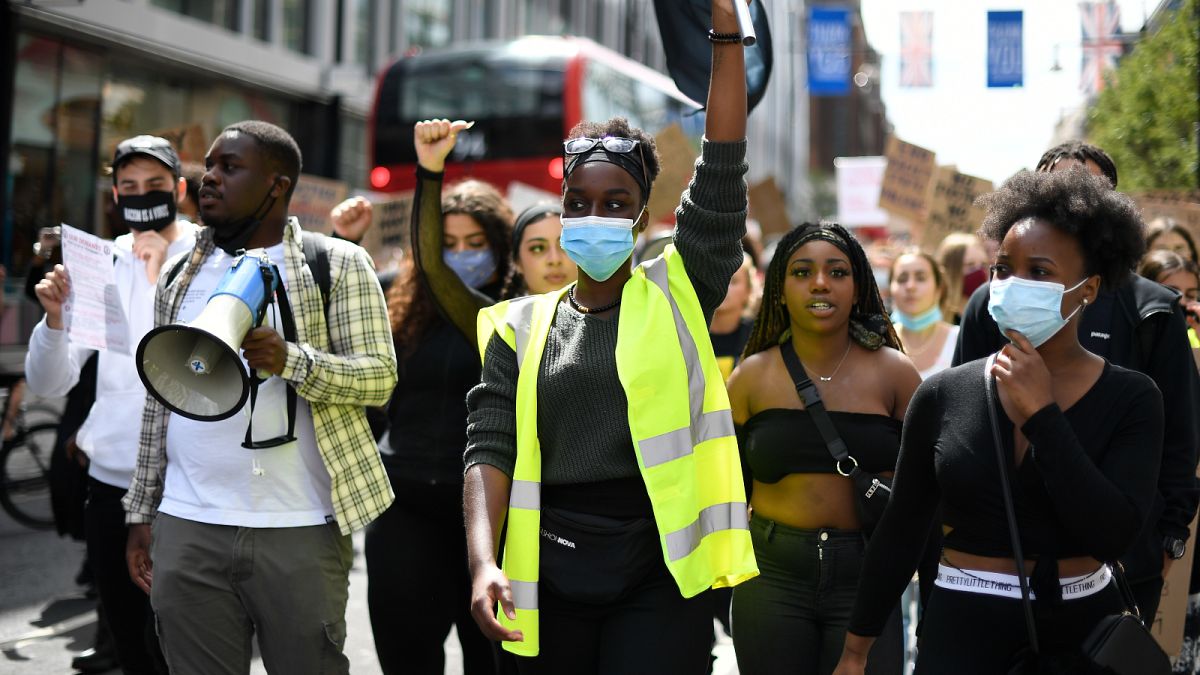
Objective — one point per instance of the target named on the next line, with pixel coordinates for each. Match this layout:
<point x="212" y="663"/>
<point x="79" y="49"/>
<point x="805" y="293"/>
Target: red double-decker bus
<point x="524" y="96"/>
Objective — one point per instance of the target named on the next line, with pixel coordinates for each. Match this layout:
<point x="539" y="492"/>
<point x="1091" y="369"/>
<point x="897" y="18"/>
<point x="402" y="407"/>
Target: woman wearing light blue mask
<point x="580" y="448"/>
<point x="1081" y="439"/>
<point x="917" y="290"/>
<point x="461" y="240"/>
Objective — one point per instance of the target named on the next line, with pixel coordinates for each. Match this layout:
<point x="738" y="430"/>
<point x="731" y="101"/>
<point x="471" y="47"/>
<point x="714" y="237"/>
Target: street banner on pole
<point x="905" y="189"/>
<point x="1005" y="50"/>
<point x="916" y="49"/>
<point x="1101" y="48"/>
<point x="858" y="182"/>
<point x="828" y="51"/>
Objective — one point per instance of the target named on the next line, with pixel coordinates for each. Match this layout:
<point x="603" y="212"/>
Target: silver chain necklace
<point x="839" y="365"/>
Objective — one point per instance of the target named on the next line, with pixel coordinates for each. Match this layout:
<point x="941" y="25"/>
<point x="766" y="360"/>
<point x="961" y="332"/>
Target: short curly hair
<point x="1106" y="223"/>
<point x="619" y="126"/>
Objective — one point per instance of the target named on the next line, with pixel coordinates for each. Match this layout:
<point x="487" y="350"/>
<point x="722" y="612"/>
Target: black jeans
<point x="792" y="618"/>
<point x="1147" y="594"/>
<point x="418" y="585"/>
<point x="981" y="634"/>
<point x="649" y="629"/>
<point x="126" y="607"/>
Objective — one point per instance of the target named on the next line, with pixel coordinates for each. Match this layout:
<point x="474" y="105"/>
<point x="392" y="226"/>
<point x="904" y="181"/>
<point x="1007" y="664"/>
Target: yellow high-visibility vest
<point x="682" y="432"/>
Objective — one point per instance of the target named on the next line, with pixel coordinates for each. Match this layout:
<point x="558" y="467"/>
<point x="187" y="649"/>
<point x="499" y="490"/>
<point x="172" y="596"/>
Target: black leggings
<point x="792" y="618"/>
<point x="980" y="634"/>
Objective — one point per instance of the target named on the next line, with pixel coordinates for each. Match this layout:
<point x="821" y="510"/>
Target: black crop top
<point x="1084" y="487"/>
<point x="780" y="441"/>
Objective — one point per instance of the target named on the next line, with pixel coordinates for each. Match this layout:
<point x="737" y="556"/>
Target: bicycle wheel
<point x="25" y="476"/>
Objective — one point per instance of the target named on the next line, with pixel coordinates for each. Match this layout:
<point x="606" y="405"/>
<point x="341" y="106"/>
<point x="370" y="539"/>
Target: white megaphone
<point x="196" y="369"/>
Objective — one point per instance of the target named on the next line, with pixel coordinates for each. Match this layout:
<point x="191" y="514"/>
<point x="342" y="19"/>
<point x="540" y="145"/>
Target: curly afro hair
<point x="1106" y="223"/>
<point x="619" y="126"/>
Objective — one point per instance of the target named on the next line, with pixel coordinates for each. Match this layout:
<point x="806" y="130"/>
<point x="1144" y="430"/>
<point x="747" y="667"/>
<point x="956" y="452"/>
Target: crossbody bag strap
<point x="811" y="398"/>
<point x="1002" y="460"/>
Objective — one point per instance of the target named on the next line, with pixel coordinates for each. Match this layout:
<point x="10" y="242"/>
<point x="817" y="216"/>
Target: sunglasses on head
<point x="617" y="144"/>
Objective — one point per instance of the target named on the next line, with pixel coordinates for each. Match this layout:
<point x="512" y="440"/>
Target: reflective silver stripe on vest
<point x="520" y="317"/>
<point x="727" y="516"/>
<point x="679" y="443"/>
<point x="524" y="593"/>
<point x="525" y="494"/>
<point x="656" y="271"/>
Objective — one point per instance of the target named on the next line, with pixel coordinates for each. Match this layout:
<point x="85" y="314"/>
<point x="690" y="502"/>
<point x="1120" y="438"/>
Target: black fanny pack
<point x="596" y="559"/>
<point x="871" y="490"/>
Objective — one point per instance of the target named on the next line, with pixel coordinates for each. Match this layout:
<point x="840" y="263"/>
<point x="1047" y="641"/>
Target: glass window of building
<point x="427" y="22"/>
<point x="297" y="19"/>
<point x="218" y="12"/>
<point x="364" y="32"/>
<point x="261" y="16"/>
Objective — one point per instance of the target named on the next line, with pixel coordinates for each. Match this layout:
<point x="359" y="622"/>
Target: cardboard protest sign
<point x="189" y="141"/>
<point x="313" y="199"/>
<point x="952" y="205"/>
<point x="678" y="159"/>
<point x="392" y="219"/>
<point x="906" y="179"/>
<point x="769" y="208"/>
<point x="1172" y="608"/>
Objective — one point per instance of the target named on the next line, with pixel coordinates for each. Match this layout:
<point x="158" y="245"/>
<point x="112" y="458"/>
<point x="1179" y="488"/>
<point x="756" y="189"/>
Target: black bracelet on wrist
<point x="723" y="38"/>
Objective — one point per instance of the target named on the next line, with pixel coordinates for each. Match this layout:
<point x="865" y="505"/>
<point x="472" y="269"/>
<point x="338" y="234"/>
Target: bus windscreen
<point x="516" y="105"/>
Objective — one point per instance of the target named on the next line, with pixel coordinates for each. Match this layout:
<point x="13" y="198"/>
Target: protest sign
<point x="858" y="182"/>
<point x="906" y="179"/>
<point x="769" y="208"/>
<point x="677" y="161"/>
<point x="952" y="205"/>
<point x="93" y="313"/>
<point x="313" y="199"/>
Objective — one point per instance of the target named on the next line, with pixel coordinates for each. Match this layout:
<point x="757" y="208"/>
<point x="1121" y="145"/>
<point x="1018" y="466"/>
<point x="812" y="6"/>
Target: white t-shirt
<point x="211" y="478"/>
<point x="945" y="356"/>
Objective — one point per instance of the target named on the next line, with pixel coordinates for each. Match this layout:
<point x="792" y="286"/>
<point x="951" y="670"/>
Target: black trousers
<point x="126" y="607"/>
<point x="418" y="585"/>
<point x="792" y="618"/>
<point x="1147" y="594"/>
<point x="651" y="629"/>
<point x="981" y="634"/>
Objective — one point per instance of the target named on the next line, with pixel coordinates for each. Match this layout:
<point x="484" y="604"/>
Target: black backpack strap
<point x="316" y="256"/>
<point x="173" y="273"/>
<point x="811" y="398"/>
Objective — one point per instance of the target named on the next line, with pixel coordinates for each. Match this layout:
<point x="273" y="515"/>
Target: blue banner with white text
<point x="1005" y="66"/>
<point x="829" y="44"/>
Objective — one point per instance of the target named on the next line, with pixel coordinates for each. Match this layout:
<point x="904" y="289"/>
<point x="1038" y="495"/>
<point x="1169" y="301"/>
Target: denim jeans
<point x="792" y="617"/>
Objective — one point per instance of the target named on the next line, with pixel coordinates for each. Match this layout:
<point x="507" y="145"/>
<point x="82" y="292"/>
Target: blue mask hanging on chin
<point x="918" y="322"/>
<point x="474" y="266"/>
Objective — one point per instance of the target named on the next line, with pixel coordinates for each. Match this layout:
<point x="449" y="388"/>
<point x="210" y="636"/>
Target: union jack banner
<point x="916" y="49"/>
<point x="1101" y="48"/>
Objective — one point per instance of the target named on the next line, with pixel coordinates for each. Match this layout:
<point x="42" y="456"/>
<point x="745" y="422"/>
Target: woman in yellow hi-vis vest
<point x="600" y="440"/>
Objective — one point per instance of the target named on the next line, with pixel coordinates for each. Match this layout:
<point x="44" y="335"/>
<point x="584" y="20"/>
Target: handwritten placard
<point x="677" y="161"/>
<point x="313" y="199"/>
<point x="952" y="205"/>
<point x="769" y="207"/>
<point x="905" y="188"/>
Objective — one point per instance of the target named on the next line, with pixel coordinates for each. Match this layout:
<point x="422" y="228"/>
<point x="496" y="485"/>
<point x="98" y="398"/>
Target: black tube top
<point x="779" y="441"/>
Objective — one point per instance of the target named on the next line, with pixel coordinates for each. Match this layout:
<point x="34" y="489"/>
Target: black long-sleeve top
<point x="1138" y="326"/>
<point x="1083" y="488"/>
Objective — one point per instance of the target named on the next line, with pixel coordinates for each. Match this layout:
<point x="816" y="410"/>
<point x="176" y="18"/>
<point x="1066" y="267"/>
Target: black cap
<point x="150" y="146"/>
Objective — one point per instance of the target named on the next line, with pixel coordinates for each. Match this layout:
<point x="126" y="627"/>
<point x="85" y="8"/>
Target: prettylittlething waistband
<point x="1009" y="586"/>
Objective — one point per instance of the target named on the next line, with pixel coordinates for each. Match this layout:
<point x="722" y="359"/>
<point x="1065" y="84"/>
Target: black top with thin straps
<point x="1084" y="487"/>
<point x="779" y="441"/>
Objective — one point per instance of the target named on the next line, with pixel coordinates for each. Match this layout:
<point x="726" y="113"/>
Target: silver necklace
<point x="839" y="365"/>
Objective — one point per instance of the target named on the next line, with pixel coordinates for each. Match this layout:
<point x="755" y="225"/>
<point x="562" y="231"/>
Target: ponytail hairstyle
<point x="869" y="323"/>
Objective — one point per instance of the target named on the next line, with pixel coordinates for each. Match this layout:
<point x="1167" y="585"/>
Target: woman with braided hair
<point x="820" y="300"/>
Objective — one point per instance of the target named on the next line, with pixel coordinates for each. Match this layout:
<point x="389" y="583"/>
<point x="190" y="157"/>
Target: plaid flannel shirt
<point x="338" y="370"/>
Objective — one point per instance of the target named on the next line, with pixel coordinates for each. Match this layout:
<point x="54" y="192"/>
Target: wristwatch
<point x="1174" y="547"/>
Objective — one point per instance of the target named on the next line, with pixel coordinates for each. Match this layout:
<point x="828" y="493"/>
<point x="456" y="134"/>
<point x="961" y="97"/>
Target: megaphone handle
<point x="289" y="335"/>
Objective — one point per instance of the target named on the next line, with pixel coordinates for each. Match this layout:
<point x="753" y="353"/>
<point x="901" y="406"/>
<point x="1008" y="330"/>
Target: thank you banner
<point x="1005" y="67"/>
<point x="829" y="51"/>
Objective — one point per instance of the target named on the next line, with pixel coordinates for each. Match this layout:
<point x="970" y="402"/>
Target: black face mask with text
<point x="233" y="235"/>
<point x="153" y="211"/>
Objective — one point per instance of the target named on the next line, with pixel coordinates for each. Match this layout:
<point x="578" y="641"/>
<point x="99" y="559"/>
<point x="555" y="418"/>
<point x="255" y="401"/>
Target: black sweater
<point x="1084" y="487"/>
<point x="1141" y="327"/>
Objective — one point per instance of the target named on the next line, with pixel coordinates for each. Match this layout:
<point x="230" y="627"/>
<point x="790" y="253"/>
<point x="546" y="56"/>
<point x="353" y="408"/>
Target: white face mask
<point x="1032" y="308"/>
<point x="598" y="245"/>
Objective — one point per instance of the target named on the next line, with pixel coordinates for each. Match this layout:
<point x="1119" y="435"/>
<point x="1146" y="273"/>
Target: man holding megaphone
<point x="256" y="461"/>
<point x="146" y="188"/>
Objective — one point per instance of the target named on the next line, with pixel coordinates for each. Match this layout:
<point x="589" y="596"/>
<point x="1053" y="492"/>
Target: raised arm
<point x="457" y="302"/>
<point x="726" y="107"/>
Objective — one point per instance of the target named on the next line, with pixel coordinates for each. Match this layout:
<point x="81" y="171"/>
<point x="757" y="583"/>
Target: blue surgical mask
<point x="473" y="266"/>
<point x="598" y="245"/>
<point x="1032" y="308"/>
<point x="917" y="322"/>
